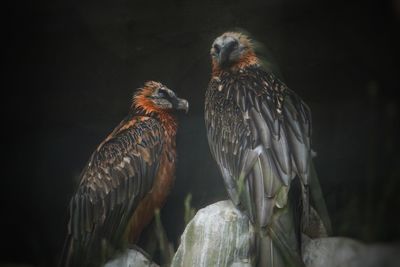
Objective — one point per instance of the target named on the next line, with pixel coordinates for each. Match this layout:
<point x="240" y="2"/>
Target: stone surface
<point x="130" y="258"/>
<point x="219" y="235"/>
<point x="341" y="251"/>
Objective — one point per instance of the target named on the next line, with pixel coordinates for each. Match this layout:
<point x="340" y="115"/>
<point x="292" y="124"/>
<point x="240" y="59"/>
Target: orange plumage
<point x="126" y="179"/>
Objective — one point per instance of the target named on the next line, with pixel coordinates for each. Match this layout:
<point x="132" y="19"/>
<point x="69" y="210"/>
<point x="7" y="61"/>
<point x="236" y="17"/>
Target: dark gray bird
<point x="126" y="179"/>
<point x="259" y="132"/>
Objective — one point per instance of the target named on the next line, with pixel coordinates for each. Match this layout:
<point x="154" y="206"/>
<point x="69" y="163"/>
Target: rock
<point x="329" y="252"/>
<point x="130" y="258"/>
<point x="219" y="235"/>
<point x="341" y="251"/>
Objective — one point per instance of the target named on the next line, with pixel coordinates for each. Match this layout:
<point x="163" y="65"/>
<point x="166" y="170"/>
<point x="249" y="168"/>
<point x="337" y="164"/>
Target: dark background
<point x="72" y="66"/>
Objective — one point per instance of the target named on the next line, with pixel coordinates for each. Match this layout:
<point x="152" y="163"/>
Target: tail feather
<point x="318" y="200"/>
<point x="273" y="252"/>
<point x="66" y="252"/>
<point x="278" y="244"/>
<point x="268" y="254"/>
<point x="74" y="254"/>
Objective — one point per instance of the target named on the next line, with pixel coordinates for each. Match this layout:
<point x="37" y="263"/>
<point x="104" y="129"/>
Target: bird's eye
<point x="162" y="94"/>
<point x="217" y="48"/>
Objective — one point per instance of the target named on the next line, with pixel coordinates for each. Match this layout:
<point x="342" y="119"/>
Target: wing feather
<point x="264" y="128"/>
<point x="119" y="173"/>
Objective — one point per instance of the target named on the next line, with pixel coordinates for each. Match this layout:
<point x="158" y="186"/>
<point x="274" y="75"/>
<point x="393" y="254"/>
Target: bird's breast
<point x="221" y="106"/>
<point x="156" y="197"/>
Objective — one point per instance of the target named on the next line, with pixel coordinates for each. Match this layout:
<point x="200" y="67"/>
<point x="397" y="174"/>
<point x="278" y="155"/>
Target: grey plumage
<point x="259" y="133"/>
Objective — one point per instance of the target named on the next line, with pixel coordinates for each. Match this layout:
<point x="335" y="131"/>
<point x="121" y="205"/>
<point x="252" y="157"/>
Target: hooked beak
<point x="182" y="104"/>
<point x="226" y="51"/>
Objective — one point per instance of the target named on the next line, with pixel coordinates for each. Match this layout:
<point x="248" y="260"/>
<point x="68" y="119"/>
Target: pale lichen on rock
<point x="219" y="235"/>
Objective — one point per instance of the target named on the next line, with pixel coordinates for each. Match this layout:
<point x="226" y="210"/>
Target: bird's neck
<point x="168" y="120"/>
<point x="169" y="123"/>
<point x="248" y="60"/>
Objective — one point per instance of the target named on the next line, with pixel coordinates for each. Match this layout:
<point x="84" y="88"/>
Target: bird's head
<point x="156" y="97"/>
<point x="232" y="50"/>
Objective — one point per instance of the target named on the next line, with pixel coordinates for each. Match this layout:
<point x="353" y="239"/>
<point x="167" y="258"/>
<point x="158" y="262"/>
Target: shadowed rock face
<point x="341" y="251"/>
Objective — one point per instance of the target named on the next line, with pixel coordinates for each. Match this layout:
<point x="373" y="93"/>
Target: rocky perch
<point x="131" y="258"/>
<point x="220" y="235"/>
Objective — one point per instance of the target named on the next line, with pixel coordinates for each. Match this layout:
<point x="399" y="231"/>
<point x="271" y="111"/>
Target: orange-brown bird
<point x="259" y="132"/>
<point x="127" y="177"/>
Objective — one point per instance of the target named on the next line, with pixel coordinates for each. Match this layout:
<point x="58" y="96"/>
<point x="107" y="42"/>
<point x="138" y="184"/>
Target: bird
<point x="128" y="177"/>
<point x="259" y="134"/>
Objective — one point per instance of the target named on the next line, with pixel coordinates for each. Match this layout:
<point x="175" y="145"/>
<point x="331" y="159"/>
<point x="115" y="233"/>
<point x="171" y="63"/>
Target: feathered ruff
<point x="142" y="104"/>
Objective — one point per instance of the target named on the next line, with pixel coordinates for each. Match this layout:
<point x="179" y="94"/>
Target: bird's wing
<point x="261" y="143"/>
<point x="119" y="174"/>
<point x="298" y="125"/>
<point x="262" y="149"/>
